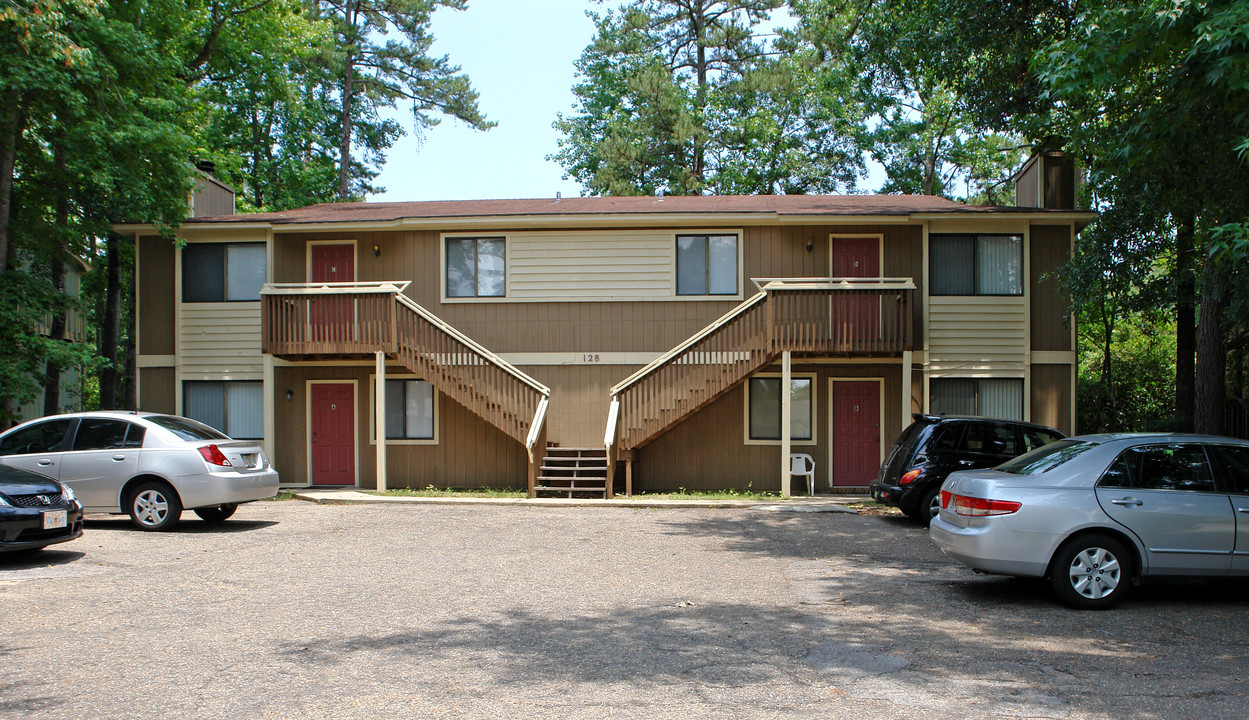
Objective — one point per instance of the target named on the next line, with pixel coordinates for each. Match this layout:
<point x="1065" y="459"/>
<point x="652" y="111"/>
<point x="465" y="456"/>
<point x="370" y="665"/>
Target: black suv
<point x="934" y="446"/>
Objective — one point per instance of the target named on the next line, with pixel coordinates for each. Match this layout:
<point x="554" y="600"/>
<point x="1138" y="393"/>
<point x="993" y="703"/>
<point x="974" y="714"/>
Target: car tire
<point x="216" y="513"/>
<point x="1092" y="572"/>
<point x="922" y="512"/>
<point x="154" y="506"/>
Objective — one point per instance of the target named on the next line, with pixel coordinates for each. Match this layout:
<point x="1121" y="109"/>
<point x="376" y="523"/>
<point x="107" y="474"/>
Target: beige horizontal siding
<point x="590" y="266"/>
<point x="977" y="332"/>
<point x="216" y="340"/>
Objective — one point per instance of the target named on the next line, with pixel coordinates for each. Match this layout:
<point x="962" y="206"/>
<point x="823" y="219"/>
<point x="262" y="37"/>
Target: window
<point x="706" y="265"/>
<point x="103" y="434"/>
<point x="975" y="264"/>
<point x="222" y="272"/>
<point x="1160" y="467"/>
<point x="1233" y="461"/>
<point x="765" y="408"/>
<point x="409" y="410"/>
<point x="475" y="267"/>
<point x="236" y="408"/>
<point x="990" y="439"/>
<point x="185" y="429"/>
<point x="1034" y="438"/>
<point x="41" y="438"/>
<point x="1046" y="458"/>
<point x="988" y="397"/>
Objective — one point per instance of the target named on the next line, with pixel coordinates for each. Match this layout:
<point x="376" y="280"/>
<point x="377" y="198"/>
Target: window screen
<point x="222" y="272"/>
<point x="706" y="265"/>
<point x="765" y="408"/>
<point x="975" y="264"/>
<point x="233" y="407"/>
<point x="409" y="409"/>
<point x="476" y="267"/>
<point x="989" y="397"/>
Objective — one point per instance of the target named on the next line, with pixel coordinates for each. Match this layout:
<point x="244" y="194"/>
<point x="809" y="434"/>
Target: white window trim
<point x="815" y="404"/>
<point x="738" y="295"/>
<point x="402" y="441"/>
<point x="507" y="267"/>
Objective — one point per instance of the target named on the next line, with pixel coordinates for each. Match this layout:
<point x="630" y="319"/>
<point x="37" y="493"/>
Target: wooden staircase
<point x="570" y="471"/>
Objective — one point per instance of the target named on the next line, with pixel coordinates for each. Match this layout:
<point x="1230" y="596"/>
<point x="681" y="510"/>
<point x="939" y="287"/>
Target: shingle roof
<point x="647" y="205"/>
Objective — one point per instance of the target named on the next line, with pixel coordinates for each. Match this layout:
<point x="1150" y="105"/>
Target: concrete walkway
<point x="819" y="503"/>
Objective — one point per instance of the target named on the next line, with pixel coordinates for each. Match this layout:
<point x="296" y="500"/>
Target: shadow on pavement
<point x="189" y="525"/>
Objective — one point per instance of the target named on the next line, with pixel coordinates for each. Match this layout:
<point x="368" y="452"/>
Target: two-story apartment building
<point x="696" y="341"/>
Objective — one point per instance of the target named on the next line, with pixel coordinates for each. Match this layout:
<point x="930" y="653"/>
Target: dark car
<point x="934" y="446"/>
<point x="36" y="511"/>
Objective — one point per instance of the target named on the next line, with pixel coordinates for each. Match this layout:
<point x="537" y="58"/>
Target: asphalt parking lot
<point x="295" y="610"/>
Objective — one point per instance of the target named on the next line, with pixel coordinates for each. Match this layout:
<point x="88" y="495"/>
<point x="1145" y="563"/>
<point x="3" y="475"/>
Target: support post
<point x="379" y="419"/>
<point x="270" y="409"/>
<point x="786" y="409"/>
<point x="629" y="476"/>
<point x="906" y="387"/>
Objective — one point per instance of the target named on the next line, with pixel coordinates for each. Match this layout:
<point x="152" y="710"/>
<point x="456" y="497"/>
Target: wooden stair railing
<point x="813" y="316"/>
<point x="306" y="319"/>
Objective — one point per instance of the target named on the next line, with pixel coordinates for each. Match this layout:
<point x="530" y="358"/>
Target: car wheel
<point x="1092" y="572"/>
<point x="216" y="513"/>
<point x="155" y="506"/>
<point x="927" y="508"/>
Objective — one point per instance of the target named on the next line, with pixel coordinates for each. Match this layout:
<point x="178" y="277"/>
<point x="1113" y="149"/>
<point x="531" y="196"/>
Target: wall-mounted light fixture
<point x="290" y="394"/>
<point x="810" y="246"/>
<point x="377" y="251"/>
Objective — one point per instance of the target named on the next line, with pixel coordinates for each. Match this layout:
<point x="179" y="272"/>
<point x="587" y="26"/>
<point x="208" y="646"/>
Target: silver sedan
<point x="147" y="465"/>
<point x="1096" y="514"/>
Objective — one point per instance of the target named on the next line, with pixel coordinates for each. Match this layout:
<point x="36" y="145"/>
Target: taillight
<point x="945" y="498"/>
<point x="214" y="455"/>
<point x="910" y="477"/>
<point x="979" y="507"/>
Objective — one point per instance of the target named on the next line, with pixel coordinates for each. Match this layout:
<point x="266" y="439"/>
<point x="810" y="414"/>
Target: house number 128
<point x="589" y="357"/>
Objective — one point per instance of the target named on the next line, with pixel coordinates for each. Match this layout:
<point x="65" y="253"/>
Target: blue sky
<point x="520" y="57"/>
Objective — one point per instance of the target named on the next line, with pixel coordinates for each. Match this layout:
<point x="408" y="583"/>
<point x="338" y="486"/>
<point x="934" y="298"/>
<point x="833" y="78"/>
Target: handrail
<point x="438" y="322"/>
<point x="535" y="429"/>
<point x="834" y="283"/>
<point x="662" y="359"/>
<point x="613" y="416"/>
<point x="334" y="287"/>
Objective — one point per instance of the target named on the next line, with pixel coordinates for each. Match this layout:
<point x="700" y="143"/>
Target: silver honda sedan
<point x="1095" y="514"/>
<point x="147" y="465"/>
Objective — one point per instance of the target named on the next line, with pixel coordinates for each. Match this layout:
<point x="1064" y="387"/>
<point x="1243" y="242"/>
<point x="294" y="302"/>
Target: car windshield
<point x="1046" y="457"/>
<point x="186" y="429"/>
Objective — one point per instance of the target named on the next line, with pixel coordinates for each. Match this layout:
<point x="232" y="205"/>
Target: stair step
<point x="584" y="478"/>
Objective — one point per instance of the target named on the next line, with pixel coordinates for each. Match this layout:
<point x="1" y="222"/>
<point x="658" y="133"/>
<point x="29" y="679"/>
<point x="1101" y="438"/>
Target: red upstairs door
<point x="332" y="317"/>
<point x="856" y="431"/>
<point x="854" y="316"/>
<point x="333" y="441"/>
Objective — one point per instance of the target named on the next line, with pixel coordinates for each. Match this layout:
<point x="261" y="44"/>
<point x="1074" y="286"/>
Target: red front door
<point x="332" y="317"/>
<point x="333" y="434"/>
<point x="856" y="431"/>
<point x="855" y="315"/>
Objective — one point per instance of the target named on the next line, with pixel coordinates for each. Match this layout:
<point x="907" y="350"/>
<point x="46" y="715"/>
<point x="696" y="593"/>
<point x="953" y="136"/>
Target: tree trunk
<point x="1107" y="408"/>
<point x="52" y="388"/>
<point x="344" y="148"/>
<point x="699" y="169"/>
<point x="11" y="127"/>
<point x="109" y="332"/>
<point x="1185" y="323"/>
<point x="1211" y="354"/>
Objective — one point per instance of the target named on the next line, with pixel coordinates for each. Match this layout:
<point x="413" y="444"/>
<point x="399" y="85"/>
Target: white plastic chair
<point x="803" y="464"/>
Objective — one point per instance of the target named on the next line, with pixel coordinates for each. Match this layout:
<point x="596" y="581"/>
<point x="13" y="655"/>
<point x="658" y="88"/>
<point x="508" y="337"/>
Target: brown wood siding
<point x="1051" y="396"/>
<point x="580" y="399"/>
<point x="1050" y="249"/>
<point x="470" y="452"/>
<point x="156" y="390"/>
<point x="209" y="198"/>
<point x="641" y="326"/>
<point x="156" y="298"/>
<point x="708" y="451"/>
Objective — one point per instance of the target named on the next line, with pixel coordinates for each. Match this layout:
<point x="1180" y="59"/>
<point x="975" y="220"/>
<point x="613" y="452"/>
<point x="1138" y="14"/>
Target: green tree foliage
<point x="381" y="58"/>
<point x="686" y="97"/>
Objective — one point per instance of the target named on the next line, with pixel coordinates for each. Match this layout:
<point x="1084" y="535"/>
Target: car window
<point x="990" y="438"/>
<point x="1161" y="467"/>
<point x="40" y="438"/>
<point x="1233" y="461"/>
<point x="186" y="429"/>
<point x="100" y="434"/>
<point x="947" y="438"/>
<point x="1046" y="457"/>
<point x="1034" y="438"/>
<point x="134" y="436"/>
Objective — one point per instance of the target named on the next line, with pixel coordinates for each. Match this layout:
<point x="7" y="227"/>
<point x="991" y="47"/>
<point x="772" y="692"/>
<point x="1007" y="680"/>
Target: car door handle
<point x="119" y="457"/>
<point x="45" y="463"/>
<point x="1243" y="510"/>
<point x="1127" y="501"/>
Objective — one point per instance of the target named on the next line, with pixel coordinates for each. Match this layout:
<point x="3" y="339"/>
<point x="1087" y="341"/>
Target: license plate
<point x="55" y="519"/>
<point x="249" y="459"/>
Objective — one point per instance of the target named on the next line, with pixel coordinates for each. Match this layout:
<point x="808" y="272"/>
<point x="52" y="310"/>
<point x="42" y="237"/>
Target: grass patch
<point x="683" y="494"/>
<point x="431" y="491"/>
<point x="872" y="507"/>
<point x="282" y="495"/>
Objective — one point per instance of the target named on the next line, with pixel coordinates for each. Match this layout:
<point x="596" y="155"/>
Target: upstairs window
<point x="706" y="265"/>
<point x="975" y="264"/>
<point x="222" y="272"/>
<point x="475" y="267"/>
